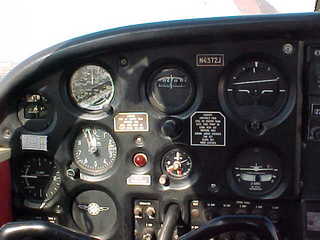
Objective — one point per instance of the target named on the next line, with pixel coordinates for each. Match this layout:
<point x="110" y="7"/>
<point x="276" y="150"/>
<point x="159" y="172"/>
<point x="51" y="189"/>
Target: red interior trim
<point x="5" y="193"/>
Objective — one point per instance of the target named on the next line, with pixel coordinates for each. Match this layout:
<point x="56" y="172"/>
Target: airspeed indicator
<point x="94" y="150"/>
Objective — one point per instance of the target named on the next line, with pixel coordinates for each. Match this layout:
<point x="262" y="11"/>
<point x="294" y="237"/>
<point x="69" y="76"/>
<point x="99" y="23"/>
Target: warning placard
<point x="208" y="129"/>
<point x="131" y="122"/>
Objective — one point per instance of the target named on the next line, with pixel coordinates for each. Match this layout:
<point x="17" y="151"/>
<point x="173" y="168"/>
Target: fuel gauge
<point x="177" y="163"/>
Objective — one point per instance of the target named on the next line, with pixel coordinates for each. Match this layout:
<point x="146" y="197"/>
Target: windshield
<point x="30" y="26"/>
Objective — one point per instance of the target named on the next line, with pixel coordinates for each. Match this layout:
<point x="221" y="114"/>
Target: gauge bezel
<point x="87" y="174"/>
<point x="163" y="167"/>
<point x="170" y="63"/>
<point x="178" y="183"/>
<point x="278" y="117"/>
<point x="276" y="191"/>
<point x="161" y="107"/>
<point x="32" y="203"/>
<point x="111" y="195"/>
<point x="46" y="123"/>
<point x="99" y="108"/>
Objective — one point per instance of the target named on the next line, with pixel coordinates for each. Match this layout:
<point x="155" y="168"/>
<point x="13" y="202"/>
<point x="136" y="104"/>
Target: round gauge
<point x="171" y="90"/>
<point x="255" y="91"/>
<point x="91" y="87"/>
<point x="177" y="163"/>
<point x="94" y="150"/>
<point x="255" y="172"/>
<point x="95" y="212"/>
<point x="35" y="112"/>
<point x="39" y="180"/>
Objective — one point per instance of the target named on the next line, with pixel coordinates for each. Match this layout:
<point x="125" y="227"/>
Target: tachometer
<point x="91" y="87"/>
<point x="94" y="150"/>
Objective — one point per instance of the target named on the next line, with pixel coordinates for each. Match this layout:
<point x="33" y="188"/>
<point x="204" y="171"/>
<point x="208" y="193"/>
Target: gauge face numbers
<point x="94" y="150"/>
<point x="177" y="163"/>
<point x="256" y="171"/>
<point x="91" y="87"/>
<point x="256" y="91"/>
<point x="39" y="179"/>
<point x="171" y="90"/>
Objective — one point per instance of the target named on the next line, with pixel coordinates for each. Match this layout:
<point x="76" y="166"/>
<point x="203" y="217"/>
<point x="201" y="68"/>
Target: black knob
<point x="171" y="128"/>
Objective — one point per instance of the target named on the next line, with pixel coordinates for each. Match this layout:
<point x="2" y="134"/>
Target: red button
<point x="140" y="159"/>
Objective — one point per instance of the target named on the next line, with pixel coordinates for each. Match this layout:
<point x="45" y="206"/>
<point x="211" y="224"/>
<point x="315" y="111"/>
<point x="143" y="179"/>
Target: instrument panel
<point x="123" y="134"/>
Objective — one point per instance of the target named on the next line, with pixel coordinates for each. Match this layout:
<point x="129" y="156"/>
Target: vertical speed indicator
<point x="94" y="150"/>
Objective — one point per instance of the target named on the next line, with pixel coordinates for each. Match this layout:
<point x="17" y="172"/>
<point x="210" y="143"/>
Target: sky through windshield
<point x="30" y="26"/>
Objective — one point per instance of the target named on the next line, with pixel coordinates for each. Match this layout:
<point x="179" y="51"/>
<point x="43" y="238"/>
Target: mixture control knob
<point x="171" y="128"/>
<point x="151" y="212"/>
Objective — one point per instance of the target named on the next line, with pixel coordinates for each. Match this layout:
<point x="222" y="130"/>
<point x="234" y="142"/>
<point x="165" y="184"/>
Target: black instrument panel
<point x="203" y="120"/>
<point x="193" y="121"/>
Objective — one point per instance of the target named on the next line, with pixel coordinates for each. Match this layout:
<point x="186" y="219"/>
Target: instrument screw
<point x="71" y="173"/>
<point x="7" y="133"/>
<point x="123" y="62"/>
<point x="213" y="188"/>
